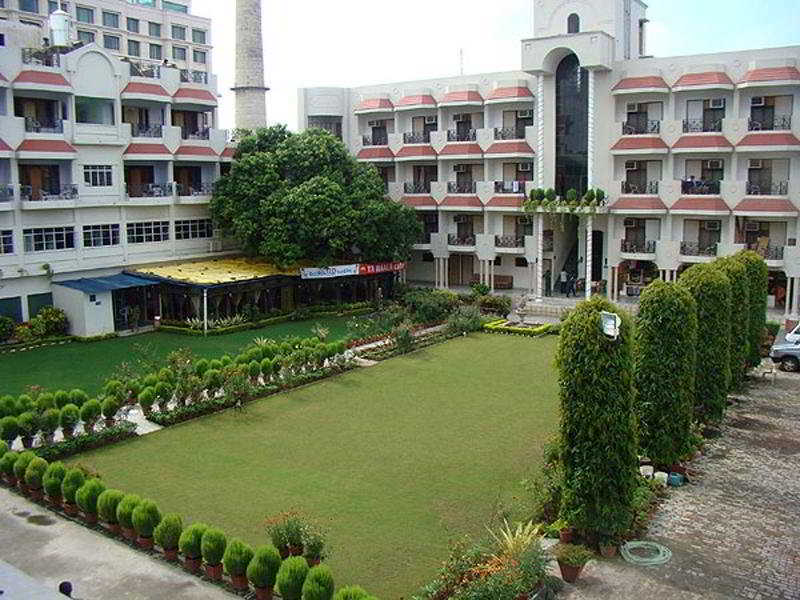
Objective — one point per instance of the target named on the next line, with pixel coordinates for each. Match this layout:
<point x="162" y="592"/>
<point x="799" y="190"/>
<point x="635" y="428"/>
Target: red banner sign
<point x="376" y="268"/>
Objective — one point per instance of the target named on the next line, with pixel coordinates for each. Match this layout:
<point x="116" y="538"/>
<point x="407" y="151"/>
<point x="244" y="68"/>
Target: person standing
<point x="562" y="279"/>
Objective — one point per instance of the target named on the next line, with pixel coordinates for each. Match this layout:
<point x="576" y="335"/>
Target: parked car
<point x="787" y="355"/>
<point x="794" y="335"/>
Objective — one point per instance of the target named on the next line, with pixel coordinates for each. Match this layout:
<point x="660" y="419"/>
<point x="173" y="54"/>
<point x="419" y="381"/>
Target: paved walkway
<point x="734" y="532"/>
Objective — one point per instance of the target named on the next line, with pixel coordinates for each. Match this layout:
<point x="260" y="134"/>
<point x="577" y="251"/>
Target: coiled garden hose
<point x="649" y="553"/>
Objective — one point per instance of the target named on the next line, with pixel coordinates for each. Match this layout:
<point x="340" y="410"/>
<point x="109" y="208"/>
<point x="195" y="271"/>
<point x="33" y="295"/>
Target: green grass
<point x="89" y="365"/>
<point x="394" y="460"/>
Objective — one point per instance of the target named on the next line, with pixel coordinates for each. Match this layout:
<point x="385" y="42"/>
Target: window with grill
<point x="44" y="239"/>
<point x="174" y="6"/>
<point x="178" y="53"/>
<point x="154" y="29"/>
<point x="193" y="229"/>
<point x="6" y="241"/>
<point x="31" y="6"/>
<point x="84" y="15"/>
<point x="85" y="36"/>
<point x="148" y="231"/>
<point x="98" y="175"/>
<point x="178" y="32"/>
<point x="111" y="42"/>
<point x="198" y="36"/>
<point x="155" y="51"/>
<point x="111" y="19"/>
<point x="133" y="25"/>
<point x="96" y="236"/>
<point x="134" y="48"/>
<point x="199" y="57"/>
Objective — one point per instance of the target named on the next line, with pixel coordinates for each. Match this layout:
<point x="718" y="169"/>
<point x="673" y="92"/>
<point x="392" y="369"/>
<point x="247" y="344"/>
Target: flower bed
<point x="499" y="326"/>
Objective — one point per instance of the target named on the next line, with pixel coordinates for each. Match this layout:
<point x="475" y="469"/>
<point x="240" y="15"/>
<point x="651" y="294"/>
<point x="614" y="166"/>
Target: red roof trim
<point x="152" y="89"/>
<point x="196" y="151"/>
<point x="421" y="150"/>
<point x="463" y="96"/>
<point x="375" y="104"/>
<point x="373" y="152"/>
<point x="708" y="78"/>
<point x="42" y="78"/>
<point x="463" y="201"/>
<point x="506" y="202"/>
<point x="45" y="146"/>
<point x="701" y="204"/>
<point x="228" y="152"/>
<point x="770" y="205"/>
<point x="520" y="147"/>
<point x="147" y="149"/>
<point x="639" y="203"/>
<point x="703" y="141"/>
<point x="502" y="93"/>
<point x="3" y="77"/>
<point x="769" y="139"/>
<point x="460" y="149"/>
<point x="419" y="201"/>
<point x="4" y="147"/>
<point x="640" y="143"/>
<point x="423" y="99"/>
<point x="195" y="94"/>
<point x="772" y="74"/>
<point x="649" y="81"/>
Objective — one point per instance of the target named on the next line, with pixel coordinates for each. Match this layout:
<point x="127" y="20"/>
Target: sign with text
<point x="376" y="268"/>
<point x="329" y="272"/>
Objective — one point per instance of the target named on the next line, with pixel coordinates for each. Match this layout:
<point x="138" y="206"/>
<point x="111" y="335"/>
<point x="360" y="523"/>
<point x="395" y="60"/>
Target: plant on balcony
<point x="740" y="313"/>
<point x="589" y="197"/>
<point x="757" y="278"/>
<point x="550" y="195"/>
<point x="572" y="197"/>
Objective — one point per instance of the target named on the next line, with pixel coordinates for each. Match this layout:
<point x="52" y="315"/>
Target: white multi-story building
<point x="109" y="147"/>
<point x="698" y="155"/>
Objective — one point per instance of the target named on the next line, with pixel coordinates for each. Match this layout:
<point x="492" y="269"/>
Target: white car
<point x="794" y="335"/>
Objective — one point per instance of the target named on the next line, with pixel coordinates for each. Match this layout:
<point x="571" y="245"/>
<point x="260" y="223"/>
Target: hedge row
<point x="499" y="326"/>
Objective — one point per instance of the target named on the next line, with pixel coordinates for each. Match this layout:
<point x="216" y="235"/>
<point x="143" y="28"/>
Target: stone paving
<point x="735" y="530"/>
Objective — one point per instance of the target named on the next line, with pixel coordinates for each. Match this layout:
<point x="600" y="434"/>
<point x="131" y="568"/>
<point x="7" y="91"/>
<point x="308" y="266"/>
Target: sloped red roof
<point x="769" y="139"/>
<point x="703" y="141"/>
<point x="425" y="99"/>
<point x="419" y="201"/>
<point x="649" y="81"/>
<point x="639" y="203"/>
<point x="229" y="152"/>
<point x="459" y="149"/>
<point x="375" y="104"/>
<point x="147" y="149"/>
<point x="41" y="77"/>
<point x="2" y="77"/>
<point x="636" y="142"/>
<point x="373" y="152"/>
<point x="45" y="146"/>
<point x="700" y="204"/>
<point x="463" y="201"/>
<point x="517" y="147"/>
<point x="708" y="78"/>
<point x="416" y="150"/>
<point x="196" y="151"/>
<point x="772" y="74"/>
<point x="153" y="89"/>
<point x="771" y="205"/>
<point x="506" y="202"/>
<point x="4" y="147"/>
<point x="195" y="94"/>
<point x="464" y="96"/>
<point x="510" y="92"/>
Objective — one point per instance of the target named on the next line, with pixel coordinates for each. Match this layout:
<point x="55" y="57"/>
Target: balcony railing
<point x="460" y="240"/>
<point x="461" y="136"/>
<point x="205" y="188"/>
<point x="44" y="126"/>
<point x="424" y="237"/>
<point x="778" y="123"/>
<point x="417" y="137"/>
<point x="637" y="247"/>
<point x="648" y="127"/>
<point x="417" y="187"/>
<point x="30" y="193"/>
<point x="509" y="187"/>
<point x="771" y="252"/>
<point x="695" y="249"/>
<point x="45" y="57"/>
<point x="194" y="134"/>
<point x="376" y="139"/>
<point x="188" y="76"/>
<point x="509" y="133"/>
<point x="509" y="241"/>
<point x="145" y="69"/>
<point x="147" y="131"/>
<point x="6" y="192"/>
<point x="149" y="190"/>
<point x="699" y="188"/>
<point x="701" y="125"/>
<point x="461" y="187"/>
<point x="777" y="188"/>
<point x="648" y="187"/>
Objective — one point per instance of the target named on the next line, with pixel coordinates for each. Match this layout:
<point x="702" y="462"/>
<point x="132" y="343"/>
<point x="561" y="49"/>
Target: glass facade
<point x="572" y="126"/>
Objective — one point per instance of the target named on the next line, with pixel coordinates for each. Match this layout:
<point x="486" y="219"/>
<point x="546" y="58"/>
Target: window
<point x="48" y="238"/>
<point x="96" y="236"/>
<point x="111" y="42"/>
<point x="148" y="231"/>
<point x="498" y="261"/>
<point x="155" y="51"/>
<point x="520" y="261"/>
<point x="178" y="53"/>
<point x="332" y="124"/>
<point x="199" y="56"/>
<point x="178" y="32"/>
<point x="198" y="36"/>
<point x="2" y="39"/>
<point x="31" y="6"/>
<point x="85" y="36"/>
<point x="133" y="25"/>
<point x="154" y="29"/>
<point x="193" y="229"/>
<point x="427" y="257"/>
<point x="84" y="15"/>
<point x="52" y="6"/>
<point x="6" y="241"/>
<point x="111" y="19"/>
<point x="134" y="48"/>
<point x="573" y="23"/>
<point x="174" y="6"/>
<point x="98" y="175"/>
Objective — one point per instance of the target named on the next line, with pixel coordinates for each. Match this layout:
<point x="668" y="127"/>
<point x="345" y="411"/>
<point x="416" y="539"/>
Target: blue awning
<point x="97" y="285"/>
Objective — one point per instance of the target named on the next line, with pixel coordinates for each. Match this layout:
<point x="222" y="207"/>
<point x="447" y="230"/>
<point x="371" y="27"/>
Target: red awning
<point x="769" y="139"/>
<point x="423" y="100"/>
<point x="504" y="93"/>
<point x="375" y="152"/>
<point x="147" y="149"/>
<point x="772" y="74"/>
<point x="461" y="149"/>
<point x="151" y="89"/>
<point x="506" y="202"/>
<point x="419" y="201"/>
<point x="702" y="141"/>
<point x="196" y="151"/>
<point x="229" y="152"/>
<point x="700" y="204"/>
<point x="424" y="151"/>
<point x="4" y="147"/>
<point x="463" y="201"/>
<point x="767" y="205"/>
<point x="464" y="96"/>
<point x="42" y="78"/>
<point x="708" y="78"/>
<point x="195" y="94"/>
<point x="636" y="142"/>
<point x="632" y="83"/>
<point x="46" y="146"/>
<point x="376" y="104"/>
<point x="638" y="203"/>
<point x="519" y="147"/>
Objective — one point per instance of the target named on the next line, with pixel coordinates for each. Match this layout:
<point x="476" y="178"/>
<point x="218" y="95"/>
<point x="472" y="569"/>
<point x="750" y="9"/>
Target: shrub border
<point x="542" y="330"/>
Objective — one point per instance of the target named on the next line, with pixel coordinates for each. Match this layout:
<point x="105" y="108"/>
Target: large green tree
<point x="758" y="280"/>
<point x="740" y="318"/>
<point x="292" y="197"/>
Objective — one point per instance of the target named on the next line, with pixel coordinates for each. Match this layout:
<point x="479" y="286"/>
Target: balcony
<point x="757" y="188"/>
<point x="144" y="69"/>
<point x="638" y="247"/>
<point x="376" y="139"/>
<point x="417" y="187"/>
<point x="641" y="188"/>
<point x="695" y="249"/>
<point x="509" y="241"/>
<point x="509" y="187"/>
<point x="702" y="125"/>
<point x="778" y="123"/>
<point x="771" y="252"/>
<point x="417" y="137"/>
<point x="6" y="192"/>
<point x="460" y="240"/>
<point x="425" y="237"/>
<point x="31" y="193"/>
<point x="43" y="57"/>
<point x="509" y="133"/>
<point x="188" y="76"/>
<point x="643" y="128"/>
<point x="205" y="188"/>
<point x="194" y="134"/>
<point x="149" y="190"/>
<point x="147" y="131"/>
<point x="461" y="187"/>
<point x="55" y="126"/>
<point x="698" y="187"/>
<point x="461" y="136"/>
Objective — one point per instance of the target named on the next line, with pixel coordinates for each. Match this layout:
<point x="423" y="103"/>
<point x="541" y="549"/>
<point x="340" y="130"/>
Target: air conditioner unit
<point x="755" y="163"/>
<point x="630" y="223"/>
<point x="461" y="219"/>
<point x="460" y="168"/>
<point x="524" y="114"/>
<point x="375" y="123"/>
<point x="711" y="225"/>
<point x="524" y="221"/>
<point x="632" y="107"/>
<point x="716" y="103"/>
<point x="431" y="120"/>
<point x="752" y="226"/>
<point x="461" y="117"/>
<point x="525" y="167"/>
<point x="713" y="164"/>
<point x="631" y="165"/>
<point x="758" y="101"/>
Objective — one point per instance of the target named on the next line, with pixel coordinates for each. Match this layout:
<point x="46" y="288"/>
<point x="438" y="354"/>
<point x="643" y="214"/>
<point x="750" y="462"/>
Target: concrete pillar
<point x="531" y="275"/>
<point x="446" y="273"/>
<point x="491" y="275"/>
<point x="539" y="255"/>
<point x="796" y="303"/>
<point x="590" y="133"/>
<point x="789" y="293"/>
<point x="249" y="88"/>
<point x="589" y="237"/>
<point x="540" y="133"/>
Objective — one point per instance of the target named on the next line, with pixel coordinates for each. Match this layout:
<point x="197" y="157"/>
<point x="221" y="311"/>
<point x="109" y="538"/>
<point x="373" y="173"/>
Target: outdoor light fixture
<point x="610" y="323"/>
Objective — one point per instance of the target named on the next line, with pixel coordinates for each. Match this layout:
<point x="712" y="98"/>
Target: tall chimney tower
<point x="251" y="102"/>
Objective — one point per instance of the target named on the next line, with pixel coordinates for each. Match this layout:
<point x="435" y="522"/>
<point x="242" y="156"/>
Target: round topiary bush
<point x="254" y="369"/>
<point x="125" y="510"/>
<point x="68" y="418"/>
<point x="598" y="430"/>
<point x="28" y="426"/>
<point x="212" y="546"/>
<point x="45" y="401"/>
<point x="740" y="314"/>
<point x="107" y="504"/>
<point x="7" y="463"/>
<point x="200" y="367"/>
<point x="25" y="404"/>
<point x="114" y="389"/>
<point x="758" y="281"/>
<point x="34" y="474"/>
<point x="90" y="412"/>
<point x="8" y="406"/>
<point x="52" y="480"/>
<point x="291" y="577"/>
<point x="263" y="569"/>
<point x="146" y="399"/>
<point x="236" y="558"/>
<point x="212" y="380"/>
<point x="150" y="380"/>
<point x="6" y="328"/>
<point x="72" y="482"/>
<point x="191" y="539"/>
<point x="87" y="495"/>
<point x="109" y="408"/>
<point x="664" y="371"/>
<point x="3" y="447"/>
<point x="78" y="397"/>
<point x="62" y="399"/>
<point x="351" y="592"/>
<point x="21" y="464"/>
<point x="318" y="584"/>
<point x="168" y="532"/>
<point x="146" y="518"/>
<point x="9" y="429"/>
<point x="49" y="421"/>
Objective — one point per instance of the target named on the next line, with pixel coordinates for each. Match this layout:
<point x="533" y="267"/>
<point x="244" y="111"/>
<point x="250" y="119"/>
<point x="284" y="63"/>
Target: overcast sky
<point x="359" y="42"/>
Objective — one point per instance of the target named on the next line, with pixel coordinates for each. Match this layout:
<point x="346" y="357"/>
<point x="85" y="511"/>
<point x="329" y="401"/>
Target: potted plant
<point x="125" y="515"/>
<point x="291" y="576"/>
<point x="212" y="547"/>
<point x="78" y="397"/>
<point x="7" y="467"/>
<point x="90" y="412"/>
<point x="571" y="559"/>
<point x="86" y="498"/>
<point x="167" y="535"/>
<point x="109" y="408"/>
<point x="9" y="430"/>
<point x="318" y="584"/>
<point x="314" y="547"/>
<point x="34" y="475"/>
<point x="145" y="519"/>
<point x="146" y="400"/>
<point x="189" y="544"/>
<point x="48" y="424"/>
<point x="62" y="399"/>
<point x="107" y="504"/>
<point x="28" y="428"/>
<point x="52" y="480"/>
<point x="608" y="546"/>
<point x="21" y="464"/>
<point x="114" y="389"/>
<point x="263" y="570"/>
<point x="73" y="480"/>
<point x="68" y="419"/>
<point x="276" y="529"/>
<point x="295" y="532"/>
<point x="236" y="558"/>
<point x="134" y="389"/>
<point x="164" y="393"/>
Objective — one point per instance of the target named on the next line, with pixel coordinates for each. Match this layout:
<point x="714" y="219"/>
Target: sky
<point x="360" y="42"/>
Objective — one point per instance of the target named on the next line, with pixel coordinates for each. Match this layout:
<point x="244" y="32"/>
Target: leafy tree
<point x="757" y="277"/>
<point x="263" y="139"/>
<point x="740" y="318"/>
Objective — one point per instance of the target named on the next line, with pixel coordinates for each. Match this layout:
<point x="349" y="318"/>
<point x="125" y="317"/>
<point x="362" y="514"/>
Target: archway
<point x="572" y="126"/>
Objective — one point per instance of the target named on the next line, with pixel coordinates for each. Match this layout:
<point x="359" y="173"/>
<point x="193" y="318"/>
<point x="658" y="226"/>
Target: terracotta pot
<point x="27" y="442"/>
<point x="296" y="550"/>
<point x="263" y="593"/>
<point x="110" y="422"/>
<point x="70" y="509"/>
<point x="128" y="534"/>
<point x="608" y="550"/>
<point x="171" y="554"/>
<point x="54" y="501"/>
<point x="35" y="493"/>
<point x="284" y="552"/>
<point x="569" y="573"/>
<point x="566" y="535"/>
<point x="145" y="543"/>
<point x="239" y="582"/>
<point x="22" y="487"/>
<point x="192" y="565"/>
<point x="90" y="518"/>
<point x="214" y="571"/>
<point x="313" y="562"/>
<point x="10" y="480"/>
<point x="114" y="528"/>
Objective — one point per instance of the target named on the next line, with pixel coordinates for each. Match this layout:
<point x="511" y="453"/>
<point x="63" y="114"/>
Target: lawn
<point x="394" y="460"/>
<point x="65" y="367"/>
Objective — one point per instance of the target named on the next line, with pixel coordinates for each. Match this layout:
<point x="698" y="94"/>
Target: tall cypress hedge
<point x="711" y="290"/>
<point x="664" y="371"/>
<point x="740" y="318"/>
<point x="758" y="279"/>
<point x="598" y="428"/>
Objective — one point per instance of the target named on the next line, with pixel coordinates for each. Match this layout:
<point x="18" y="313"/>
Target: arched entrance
<point x="572" y="126"/>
